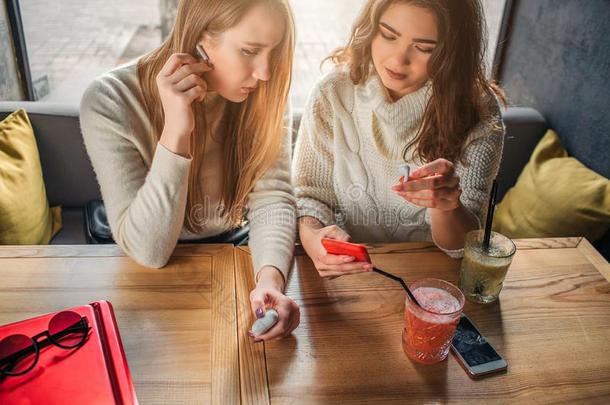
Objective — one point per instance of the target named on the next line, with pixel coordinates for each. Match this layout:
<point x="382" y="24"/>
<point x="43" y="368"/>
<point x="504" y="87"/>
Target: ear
<point x="207" y="41"/>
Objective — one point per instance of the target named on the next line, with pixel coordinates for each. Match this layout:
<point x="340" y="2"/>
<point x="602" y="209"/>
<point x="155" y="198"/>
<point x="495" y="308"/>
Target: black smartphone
<point x="473" y="351"/>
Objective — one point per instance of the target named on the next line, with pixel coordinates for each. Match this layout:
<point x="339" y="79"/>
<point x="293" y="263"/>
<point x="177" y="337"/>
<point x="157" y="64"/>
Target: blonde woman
<point x="185" y="147"/>
<point x="408" y="89"/>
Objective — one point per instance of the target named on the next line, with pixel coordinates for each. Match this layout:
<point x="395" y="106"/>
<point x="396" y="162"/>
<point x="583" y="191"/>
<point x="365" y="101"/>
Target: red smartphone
<point x="337" y="247"/>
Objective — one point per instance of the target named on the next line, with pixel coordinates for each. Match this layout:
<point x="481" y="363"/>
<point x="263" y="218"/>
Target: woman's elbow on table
<point x="146" y="255"/>
<point x="149" y="249"/>
<point x="153" y="261"/>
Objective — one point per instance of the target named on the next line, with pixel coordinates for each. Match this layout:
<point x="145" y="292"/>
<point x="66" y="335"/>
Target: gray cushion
<point x="72" y="231"/>
<point x="70" y="180"/>
<point x="524" y="129"/>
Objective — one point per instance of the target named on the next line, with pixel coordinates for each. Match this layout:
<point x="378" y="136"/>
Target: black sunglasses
<point x="19" y="353"/>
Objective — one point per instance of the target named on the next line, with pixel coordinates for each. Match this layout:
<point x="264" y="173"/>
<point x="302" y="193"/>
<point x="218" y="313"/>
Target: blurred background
<point x="70" y="42"/>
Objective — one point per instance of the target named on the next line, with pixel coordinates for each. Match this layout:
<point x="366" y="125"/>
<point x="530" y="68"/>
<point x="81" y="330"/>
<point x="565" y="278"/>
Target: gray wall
<point x="494" y="11"/>
<point x="557" y="60"/>
<point x="9" y="79"/>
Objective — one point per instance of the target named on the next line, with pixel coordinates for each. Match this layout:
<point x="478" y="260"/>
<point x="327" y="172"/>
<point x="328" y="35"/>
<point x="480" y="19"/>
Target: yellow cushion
<point x="25" y="216"/>
<point x="555" y="196"/>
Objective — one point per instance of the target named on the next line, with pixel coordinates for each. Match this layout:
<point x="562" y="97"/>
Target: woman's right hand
<point x="180" y="84"/>
<point x="328" y="266"/>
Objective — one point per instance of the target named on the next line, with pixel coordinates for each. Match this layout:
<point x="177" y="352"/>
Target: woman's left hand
<point x="434" y="185"/>
<point x="267" y="295"/>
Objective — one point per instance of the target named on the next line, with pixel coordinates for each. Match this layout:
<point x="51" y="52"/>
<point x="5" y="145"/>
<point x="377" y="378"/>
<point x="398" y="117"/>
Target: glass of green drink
<point x="483" y="271"/>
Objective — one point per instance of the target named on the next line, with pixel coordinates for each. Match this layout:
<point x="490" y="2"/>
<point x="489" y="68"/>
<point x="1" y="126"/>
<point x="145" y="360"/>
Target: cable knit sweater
<point x="144" y="185"/>
<point x="349" y="151"/>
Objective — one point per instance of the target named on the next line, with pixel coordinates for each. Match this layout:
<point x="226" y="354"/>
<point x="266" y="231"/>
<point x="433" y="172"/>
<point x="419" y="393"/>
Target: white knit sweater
<point x="348" y="154"/>
<point x="144" y="185"/>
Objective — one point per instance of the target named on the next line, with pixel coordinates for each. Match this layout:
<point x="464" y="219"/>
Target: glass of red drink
<point x="429" y="329"/>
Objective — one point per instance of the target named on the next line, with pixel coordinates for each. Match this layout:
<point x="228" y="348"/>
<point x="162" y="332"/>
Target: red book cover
<point x="94" y="373"/>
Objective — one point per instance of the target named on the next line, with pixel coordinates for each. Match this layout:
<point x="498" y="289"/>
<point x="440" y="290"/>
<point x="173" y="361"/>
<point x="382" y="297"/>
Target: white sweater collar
<point x="404" y="114"/>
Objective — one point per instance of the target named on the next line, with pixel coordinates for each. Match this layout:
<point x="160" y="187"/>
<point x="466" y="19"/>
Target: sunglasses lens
<point x="67" y="329"/>
<point x="17" y="354"/>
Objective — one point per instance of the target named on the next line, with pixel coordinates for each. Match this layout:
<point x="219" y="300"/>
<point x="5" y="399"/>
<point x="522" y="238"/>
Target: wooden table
<point x="177" y="323"/>
<point x="552" y="324"/>
<point x="184" y="326"/>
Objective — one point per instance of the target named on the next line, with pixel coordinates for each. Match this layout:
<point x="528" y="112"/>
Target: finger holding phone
<point x="328" y="265"/>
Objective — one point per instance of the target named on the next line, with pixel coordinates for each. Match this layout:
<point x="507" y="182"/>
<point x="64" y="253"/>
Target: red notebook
<point x="94" y="373"/>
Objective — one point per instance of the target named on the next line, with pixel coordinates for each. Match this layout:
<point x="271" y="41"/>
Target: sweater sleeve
<point x="482" y="157"/>
<point x="145" y="205"/>
<point x="314" y="161"/>
<point x="271" y="213"/>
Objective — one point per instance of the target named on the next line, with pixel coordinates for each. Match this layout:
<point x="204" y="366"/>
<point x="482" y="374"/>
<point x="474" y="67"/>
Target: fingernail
<point x="348" y="259"/>
<point x="260" y="313"/>
<point x="251" y="334"/>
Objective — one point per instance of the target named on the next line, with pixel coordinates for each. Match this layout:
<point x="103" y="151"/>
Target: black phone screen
<point x="472" y="346"/>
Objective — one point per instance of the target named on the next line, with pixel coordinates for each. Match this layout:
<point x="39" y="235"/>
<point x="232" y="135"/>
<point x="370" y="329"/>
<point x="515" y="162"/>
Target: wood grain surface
<point x="184" y="327"/>
<point x="177" y="324"/>
<point x="552" y="324"/>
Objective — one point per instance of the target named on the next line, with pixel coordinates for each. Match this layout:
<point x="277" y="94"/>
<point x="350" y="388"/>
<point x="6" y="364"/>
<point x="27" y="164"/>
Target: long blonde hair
<point x="253" y="128"/>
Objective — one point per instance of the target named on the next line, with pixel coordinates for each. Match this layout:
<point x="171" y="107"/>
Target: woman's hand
<point x="434" y="185"/>
<point x="268" y="294"/>
<point x="328" y="266"/>
<point x="180" y="84"/>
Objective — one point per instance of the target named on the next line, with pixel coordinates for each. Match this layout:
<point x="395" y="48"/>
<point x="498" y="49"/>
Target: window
<point x="70" y="42"/>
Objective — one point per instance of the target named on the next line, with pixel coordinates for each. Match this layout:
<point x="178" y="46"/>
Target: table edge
<point x="595" y="258"/>
<point x="99" y="250"/>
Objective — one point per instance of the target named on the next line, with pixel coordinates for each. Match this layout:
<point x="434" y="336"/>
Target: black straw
<point x="400" y="280"/>
<point x="490" y="214"/>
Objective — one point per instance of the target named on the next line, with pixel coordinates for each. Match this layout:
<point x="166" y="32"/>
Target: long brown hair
<point x="254" y="128"/>
<point x="456" y="69"/>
